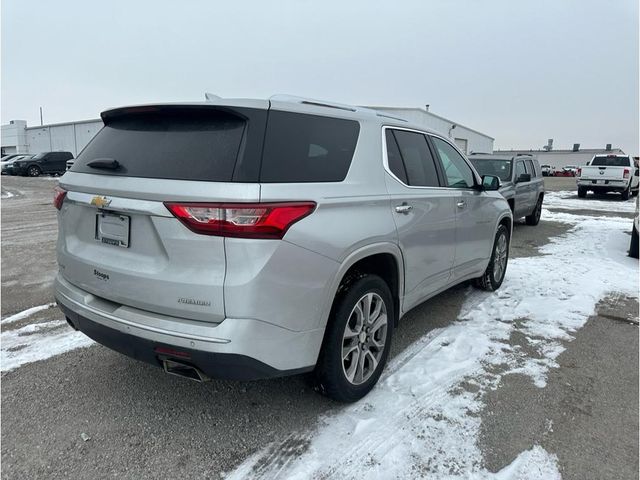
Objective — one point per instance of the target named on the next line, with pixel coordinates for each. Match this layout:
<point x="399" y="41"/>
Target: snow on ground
<point x="570" y="200"/>
<point x="6" y="194"/>
<point x="26" y="313"/>
<point x="422" y="418"/>
<point x="38" y="341"/>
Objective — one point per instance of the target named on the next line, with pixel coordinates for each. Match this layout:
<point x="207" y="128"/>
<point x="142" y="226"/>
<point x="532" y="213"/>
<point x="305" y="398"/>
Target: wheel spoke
<point x="372" y="359"/>
<point x="377" y="308"/>
<point x="353" y="366"/>
<point x="380" y="321"/>
<point x="359" y="376"/>
<point x="348" y="350"/>
<point x="366" y="307"/>
<point x="349" y="332"/>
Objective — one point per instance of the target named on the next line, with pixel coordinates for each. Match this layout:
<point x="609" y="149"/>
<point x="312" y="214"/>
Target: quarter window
<point x="307" y="148"/>
<point x="394" y="159"/>
<point x="456" y="170"/>
<point x="417" y="159"/>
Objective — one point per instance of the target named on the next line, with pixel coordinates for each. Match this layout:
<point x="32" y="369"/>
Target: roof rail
<point x="391" y="117"/>
<point x="317" y="103"/>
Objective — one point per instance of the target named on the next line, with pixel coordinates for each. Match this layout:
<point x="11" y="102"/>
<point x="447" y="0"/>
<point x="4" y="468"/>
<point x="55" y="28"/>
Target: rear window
<point x="611" y="162"/>
<point x="307" y="148"/>
<point x="183" y="144"/>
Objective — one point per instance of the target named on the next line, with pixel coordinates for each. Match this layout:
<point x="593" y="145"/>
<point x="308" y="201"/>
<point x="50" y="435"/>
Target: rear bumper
<point x="242" y="349"/>
<point x="609" y="186"/>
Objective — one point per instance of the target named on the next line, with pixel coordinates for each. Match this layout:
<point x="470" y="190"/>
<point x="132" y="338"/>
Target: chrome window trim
<point x="385" y="159"/>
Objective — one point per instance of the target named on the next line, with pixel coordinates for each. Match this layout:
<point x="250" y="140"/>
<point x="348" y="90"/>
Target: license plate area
<point x="113" y="229"/>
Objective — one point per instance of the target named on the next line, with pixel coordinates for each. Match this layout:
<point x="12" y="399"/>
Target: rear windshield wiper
<point x="106" y="163"/>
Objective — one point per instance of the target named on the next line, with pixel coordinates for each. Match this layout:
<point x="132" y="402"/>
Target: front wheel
<point x="34" y="171"/>
<point x="493" y="276"/>
<point x="357" y="340"/>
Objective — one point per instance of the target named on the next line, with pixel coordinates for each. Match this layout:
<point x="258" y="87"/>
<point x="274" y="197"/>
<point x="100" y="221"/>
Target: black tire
<point x="633" y="246"/>
<point x="534" y="218"/>
<point x="331" y="378"/>
<point x="34" y="171"/>
<point x="626" y="194"/>
<point x="489" y="281"/>
<point x="582" y="192"/>
<point x="634" y="193"/>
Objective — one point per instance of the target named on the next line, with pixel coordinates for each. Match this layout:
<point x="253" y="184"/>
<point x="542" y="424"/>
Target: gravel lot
<point x="142" y="423"/>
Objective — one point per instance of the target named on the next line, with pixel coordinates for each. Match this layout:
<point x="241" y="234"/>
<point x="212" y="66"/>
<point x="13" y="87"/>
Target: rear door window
<point x="417" y="159"/>
<point x="457" y="172"/>
<point x="307" y="148"/>
<point x="178" y="143"/>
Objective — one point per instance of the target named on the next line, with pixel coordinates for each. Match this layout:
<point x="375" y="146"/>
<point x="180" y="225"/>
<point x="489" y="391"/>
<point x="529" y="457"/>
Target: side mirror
<point x="524" y="177"/>
<point x="490" y="182"/>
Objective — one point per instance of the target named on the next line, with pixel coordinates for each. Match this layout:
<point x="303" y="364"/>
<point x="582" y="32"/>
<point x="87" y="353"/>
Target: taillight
<point x="59" y="194"/>
<point x="627" y="172"/>
<point x="579" y="171"/>
<point x="244" y="220"/>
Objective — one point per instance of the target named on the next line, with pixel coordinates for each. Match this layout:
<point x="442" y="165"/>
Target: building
<point x="467" y="139"/>
<point x="561" y="158"/>
<point x="72" y="137"/>
<point x="17" y="137"/>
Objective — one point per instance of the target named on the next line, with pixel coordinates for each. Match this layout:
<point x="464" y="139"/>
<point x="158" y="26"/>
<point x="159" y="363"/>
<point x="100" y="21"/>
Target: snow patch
<point x="38" y="341"/>
<point x="422" y="419"/>
<point x="570" y="200"/>
<point x="26" y="313"/>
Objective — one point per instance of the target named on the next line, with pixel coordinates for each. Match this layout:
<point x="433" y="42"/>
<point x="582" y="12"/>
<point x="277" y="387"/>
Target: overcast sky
<point x="521" y="71"/>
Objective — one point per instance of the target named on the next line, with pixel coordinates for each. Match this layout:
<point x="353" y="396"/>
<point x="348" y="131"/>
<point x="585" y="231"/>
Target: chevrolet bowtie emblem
<point x="100" y="202"/>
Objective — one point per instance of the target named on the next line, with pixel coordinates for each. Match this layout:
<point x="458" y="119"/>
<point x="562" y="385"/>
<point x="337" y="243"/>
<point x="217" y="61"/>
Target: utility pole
<point x="41" y="116"/>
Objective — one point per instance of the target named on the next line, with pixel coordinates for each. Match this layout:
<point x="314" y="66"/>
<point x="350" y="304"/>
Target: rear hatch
<point x="117" y="238"/>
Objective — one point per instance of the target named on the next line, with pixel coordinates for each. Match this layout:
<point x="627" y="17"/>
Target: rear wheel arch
<point x="384" y="260"/>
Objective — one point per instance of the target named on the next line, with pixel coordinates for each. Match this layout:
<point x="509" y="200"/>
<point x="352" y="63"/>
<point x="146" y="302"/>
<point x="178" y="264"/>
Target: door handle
<point x="404" y="208"/>
<point x="461" y="204"/>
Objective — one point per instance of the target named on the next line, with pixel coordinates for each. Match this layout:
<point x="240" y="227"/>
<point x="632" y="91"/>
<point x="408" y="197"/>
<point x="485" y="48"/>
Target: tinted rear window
<point x="307" y="148"/>
<point x="188" y="144"/>
<point x="611" y="162"/>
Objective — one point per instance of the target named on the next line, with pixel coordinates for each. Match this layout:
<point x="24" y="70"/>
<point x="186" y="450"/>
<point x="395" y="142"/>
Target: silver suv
<point x="257" y="238"/>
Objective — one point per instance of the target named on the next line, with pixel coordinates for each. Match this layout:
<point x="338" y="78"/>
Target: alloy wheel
<point x="364" y="338"/>
<point x="500" y="257"/>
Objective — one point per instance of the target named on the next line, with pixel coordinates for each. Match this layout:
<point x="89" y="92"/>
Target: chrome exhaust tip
<point x="173" y="367"/>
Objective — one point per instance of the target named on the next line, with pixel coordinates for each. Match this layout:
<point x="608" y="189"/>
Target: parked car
<point x="547" y="170"/>
<point x="6" y="166"/>
<point x="521" y="182"/>
<point x="11" y="156"/>
<point x="45" y="162"/>
<point x="608" y="173"/>
<point x="287" y="239"/>
<point x="567" y="171"/>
